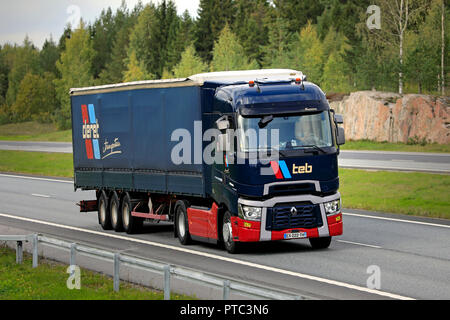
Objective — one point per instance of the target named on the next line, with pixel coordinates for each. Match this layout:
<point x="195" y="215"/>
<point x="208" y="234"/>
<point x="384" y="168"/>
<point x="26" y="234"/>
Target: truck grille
<point x="307" y="216"/>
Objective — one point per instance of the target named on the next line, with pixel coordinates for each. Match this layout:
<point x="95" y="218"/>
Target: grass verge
<point x="411" y="193"/>
<point x="33" y="131"/>
<point x="369" y="145"/>
<point x="46" y="164"/>
<point x="48" y="282"/>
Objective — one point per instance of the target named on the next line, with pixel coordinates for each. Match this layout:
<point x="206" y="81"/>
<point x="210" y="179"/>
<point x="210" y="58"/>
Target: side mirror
<point x="340" y="136"/>
<point x="338" y="118"/>
<point x="223" y="123"/>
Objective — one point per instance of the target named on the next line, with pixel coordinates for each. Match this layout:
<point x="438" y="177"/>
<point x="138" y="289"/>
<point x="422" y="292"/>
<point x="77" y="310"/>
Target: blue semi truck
<point x="228" y="157"/>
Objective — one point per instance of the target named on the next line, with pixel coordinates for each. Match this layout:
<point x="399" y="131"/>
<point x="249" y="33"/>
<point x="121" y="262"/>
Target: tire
<point x="104" y="214"/>
<point x="116" y="216"/>
<point x="227" y="235"/>
<point x="131" y="224"/>
<point x="320" y="243"/>
<point x="181" y="223"/>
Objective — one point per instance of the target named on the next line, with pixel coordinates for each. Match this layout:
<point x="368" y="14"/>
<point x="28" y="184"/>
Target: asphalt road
<point x="412" y="254"/>
<point x="377" y="160"/>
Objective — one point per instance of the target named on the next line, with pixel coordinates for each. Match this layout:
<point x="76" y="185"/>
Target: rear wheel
<point x="181" y="223"/>
<point x="130" y="224"/>
<point x="227" y="235"/>
<point x="320" y="243"/>
<point x="104" y="214"/>
<point x="116" y="217"/>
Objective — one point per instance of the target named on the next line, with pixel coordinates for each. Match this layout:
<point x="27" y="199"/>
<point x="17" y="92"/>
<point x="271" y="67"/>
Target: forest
<point x="331" y="41"/>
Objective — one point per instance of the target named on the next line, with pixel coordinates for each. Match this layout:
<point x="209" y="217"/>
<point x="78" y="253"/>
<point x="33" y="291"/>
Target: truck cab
<point x="279" y="141"/>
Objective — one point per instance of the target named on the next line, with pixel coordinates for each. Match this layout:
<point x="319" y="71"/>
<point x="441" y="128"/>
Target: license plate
<point x="295" y="235"/>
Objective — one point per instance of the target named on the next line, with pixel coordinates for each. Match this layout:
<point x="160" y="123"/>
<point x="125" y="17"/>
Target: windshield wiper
<point x="265" y="121"/>
<point x="313" y="147"/>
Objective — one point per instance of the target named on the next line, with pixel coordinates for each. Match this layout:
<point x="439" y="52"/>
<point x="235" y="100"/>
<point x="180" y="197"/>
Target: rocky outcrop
<point x="382" y="116"/>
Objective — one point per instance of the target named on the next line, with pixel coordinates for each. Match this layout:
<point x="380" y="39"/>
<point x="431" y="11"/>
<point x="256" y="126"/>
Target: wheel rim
<point x="102" y="211"/>
<point x="125" y="215"/>
<point x="114" y="213"/>
<point x="181" y="225"/>
<point x="227" y="232"/>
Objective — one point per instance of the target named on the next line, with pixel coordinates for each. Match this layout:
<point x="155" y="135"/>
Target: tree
<point x="136" y="70"/>
<point x="25" y="60"/>
<point x="75" y="67"/>
<point x="277" y="51"/>
<point x="190" y="64"/>
<point x="228" y="54"/>
<point x="308" y="53"/>
<point x="213" y="15"/>
<point x="297" y="13"/>
<point x="397" y="16"/>
<point x="48" y="57"/>
<point x="36" y="99"/>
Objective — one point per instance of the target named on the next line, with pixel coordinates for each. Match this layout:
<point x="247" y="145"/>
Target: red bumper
<point x="249" y="231"/>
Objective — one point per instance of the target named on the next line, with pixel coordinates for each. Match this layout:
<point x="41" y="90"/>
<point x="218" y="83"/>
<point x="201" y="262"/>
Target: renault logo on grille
<point x="294" y="211"/>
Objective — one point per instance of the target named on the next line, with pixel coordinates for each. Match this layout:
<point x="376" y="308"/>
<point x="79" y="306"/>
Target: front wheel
<point x="181" y="223"/>
<point x="227" y="235"/>
<point x="320" y="243"/>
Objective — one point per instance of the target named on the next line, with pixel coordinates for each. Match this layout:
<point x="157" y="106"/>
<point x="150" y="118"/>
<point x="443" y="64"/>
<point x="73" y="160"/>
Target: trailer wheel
<point x="130" y="224"/>
<point x="320" y="243"/>
<point x="181" y="223"/>
<point x="104" y="214"/>
<point x="116" y="216"/>
<point x="227" y="235"/>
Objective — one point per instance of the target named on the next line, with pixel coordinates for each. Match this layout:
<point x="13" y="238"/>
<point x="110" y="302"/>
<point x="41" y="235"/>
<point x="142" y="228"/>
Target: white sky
<point x="40" y="18"/>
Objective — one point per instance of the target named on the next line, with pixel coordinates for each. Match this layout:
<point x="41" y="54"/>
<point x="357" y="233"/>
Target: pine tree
<point x="277" y="52"/>
<point x="228" y="54"/>
<point x="213" y="15"/>
<point x="190" y="64"/>
<point x="308" y="53"/>
<point x="48" y="57"/>
<point x="75" y="67"/>
<point x="136" y="70"/>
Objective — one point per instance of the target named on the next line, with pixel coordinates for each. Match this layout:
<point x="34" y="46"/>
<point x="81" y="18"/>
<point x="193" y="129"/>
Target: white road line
<point x="397" y="220"/>
<point x="40" y="195"/>
<point x="34" y="178"/>
<point x="360" y="244"/>
<point x="217" y="257"/>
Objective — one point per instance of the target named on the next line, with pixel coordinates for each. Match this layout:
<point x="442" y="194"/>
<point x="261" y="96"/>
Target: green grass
<point x="33" y="131"/>
<point x="48" y="282"/>
<point x="420" y="194"/>
<point x="401" y="147"/>
<point x="37" y="163"/>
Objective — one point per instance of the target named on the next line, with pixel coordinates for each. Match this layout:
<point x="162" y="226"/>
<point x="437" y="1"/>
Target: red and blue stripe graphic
<point x="92" y="145"/>
<point x="280" y="169"/>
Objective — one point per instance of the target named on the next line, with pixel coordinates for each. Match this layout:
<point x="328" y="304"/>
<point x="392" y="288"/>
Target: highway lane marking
<point x="369" y="167"/>
<point x="217" y="257"/>
<point x="34" y="178"/>
<point x="360" y="244"/>
<point x="397" y="220"/>
<point x="40" y="195"/>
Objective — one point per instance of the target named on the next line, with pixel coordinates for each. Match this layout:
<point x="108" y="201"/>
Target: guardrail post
<point x="19" y="252"/>
<point x="116" y="272"/>
<point x="226" y="289"/>
<point x="166" y="282"/>
<point x="35" y="250"/>
<point x="73" y="253"/>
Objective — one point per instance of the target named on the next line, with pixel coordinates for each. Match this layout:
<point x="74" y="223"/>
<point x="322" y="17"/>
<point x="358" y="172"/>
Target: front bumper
<point x="255" y="231"/>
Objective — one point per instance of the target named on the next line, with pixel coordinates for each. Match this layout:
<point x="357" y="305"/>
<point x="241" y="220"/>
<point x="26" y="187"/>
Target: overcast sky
<point x="40" y="18"/>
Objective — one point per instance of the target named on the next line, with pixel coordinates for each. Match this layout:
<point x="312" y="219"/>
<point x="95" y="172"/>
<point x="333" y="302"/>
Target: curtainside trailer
<point x="228" y="157"/>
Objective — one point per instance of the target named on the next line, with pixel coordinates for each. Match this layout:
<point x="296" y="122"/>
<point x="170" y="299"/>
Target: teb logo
<point x="90" y="131"/>
<point x="281" y="170"/>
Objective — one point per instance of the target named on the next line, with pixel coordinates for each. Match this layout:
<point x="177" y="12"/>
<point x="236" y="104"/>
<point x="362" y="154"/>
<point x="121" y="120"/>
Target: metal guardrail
<point x="166" y="270"/>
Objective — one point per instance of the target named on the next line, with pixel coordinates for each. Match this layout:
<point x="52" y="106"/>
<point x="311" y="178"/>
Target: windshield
<point x="285" y="132"/>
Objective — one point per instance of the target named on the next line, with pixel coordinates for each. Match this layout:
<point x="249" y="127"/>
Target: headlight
<point x="250" y="213"/>
<point x="332" y="207"/>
